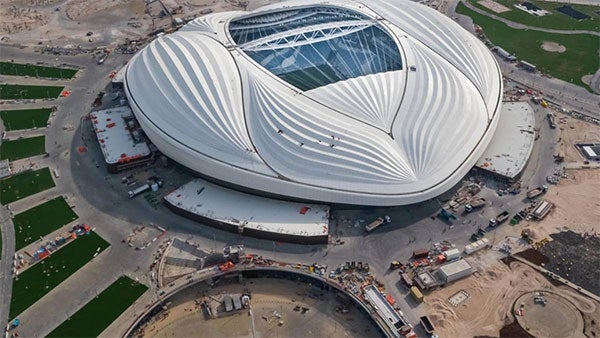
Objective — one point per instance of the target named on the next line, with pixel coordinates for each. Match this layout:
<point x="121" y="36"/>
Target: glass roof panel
<point x="316" y="46"/>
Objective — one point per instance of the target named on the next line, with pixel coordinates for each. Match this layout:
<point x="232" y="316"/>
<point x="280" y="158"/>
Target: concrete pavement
<point x="6" y="261"/>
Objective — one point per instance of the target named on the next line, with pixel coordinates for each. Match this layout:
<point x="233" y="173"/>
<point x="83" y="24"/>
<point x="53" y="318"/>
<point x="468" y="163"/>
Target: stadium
<point x="380" y="102"/>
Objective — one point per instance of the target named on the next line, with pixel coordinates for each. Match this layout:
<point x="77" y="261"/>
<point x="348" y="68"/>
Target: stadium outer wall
<point x="272" y="236"/>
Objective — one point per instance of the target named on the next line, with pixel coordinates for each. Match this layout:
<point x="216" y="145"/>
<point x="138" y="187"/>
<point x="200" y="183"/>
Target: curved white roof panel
<point x="383" y="102"/>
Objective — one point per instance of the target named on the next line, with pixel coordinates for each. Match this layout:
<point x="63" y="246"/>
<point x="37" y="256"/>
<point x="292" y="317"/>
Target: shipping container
<point x="452" y="254"/>
<point x="420" y="253"/>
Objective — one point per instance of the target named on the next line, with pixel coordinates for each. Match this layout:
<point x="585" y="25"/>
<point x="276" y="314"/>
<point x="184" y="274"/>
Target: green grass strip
<point x="556" y="20"/>
<point x="41" y="220"/>
<point x="25" y="118"/>
<point x="16" y="92"/>
<point x="44" y="276"/>
<point x="101" y="311"/>
<point x="581" y="57"/>
<point x="22" y="148"/>
<point x="20" y="69"/>
<point x="25" y="184"/>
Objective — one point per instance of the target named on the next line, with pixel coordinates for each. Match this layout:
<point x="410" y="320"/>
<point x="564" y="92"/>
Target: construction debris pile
<point x="574" y="257"/>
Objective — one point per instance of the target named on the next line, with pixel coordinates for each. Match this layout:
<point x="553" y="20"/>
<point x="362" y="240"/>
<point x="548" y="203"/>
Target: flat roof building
<point x="590" y="151"/>
<point x="454" y="271"/>
<point x="510" y="148"/>
<point x="383" y="308"/>
<point x="119" y="138"/>
<point x="251" y="215"/>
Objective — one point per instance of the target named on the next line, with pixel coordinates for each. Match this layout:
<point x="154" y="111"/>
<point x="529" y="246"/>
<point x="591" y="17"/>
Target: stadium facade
<point x="379" y="102"/>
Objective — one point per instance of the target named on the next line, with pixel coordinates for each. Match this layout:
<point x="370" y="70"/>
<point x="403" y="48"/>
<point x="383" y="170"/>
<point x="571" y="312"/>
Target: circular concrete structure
<point x="557" y="318"/>
<point x="380" y="102"/>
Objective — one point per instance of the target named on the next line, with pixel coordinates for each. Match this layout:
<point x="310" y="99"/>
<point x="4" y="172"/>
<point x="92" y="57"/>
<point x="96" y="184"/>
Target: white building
<point x="379" y="102"/>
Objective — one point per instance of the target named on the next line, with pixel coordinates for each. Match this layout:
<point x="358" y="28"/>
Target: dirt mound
<point x="553" y="47"/>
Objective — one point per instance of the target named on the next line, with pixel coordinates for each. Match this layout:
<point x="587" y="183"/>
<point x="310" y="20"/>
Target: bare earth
<point x="553" y="47"/>
<point x="268" y="295"/>
<point x="65" y="22"/>
<point x="494" y="6"/>
<point x="492" y="294"/>
<point x="577" y="201"/>
<point x="573" y="131"/>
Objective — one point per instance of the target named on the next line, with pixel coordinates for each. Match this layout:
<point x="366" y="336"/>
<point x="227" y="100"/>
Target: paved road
<point x="522" y="26"/>
<point x="8" y="250"/>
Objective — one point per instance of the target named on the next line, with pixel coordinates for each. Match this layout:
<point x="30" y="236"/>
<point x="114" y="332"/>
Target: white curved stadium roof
<point x="379" y="102"/>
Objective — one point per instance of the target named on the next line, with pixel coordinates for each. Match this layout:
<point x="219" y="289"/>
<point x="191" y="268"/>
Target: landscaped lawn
<point x="22" y="148"/>
<point x="556" y="20"/>
<point x="25" y="118"/>
<point x="101" y="311"/>
<point x="25" y="184"/>
<point x="579" y="59"/>
<point x="19" y="69"/>
<point x="44" y="276"/>
<point x="41" y="220"/>
<point x="13" y="92"/>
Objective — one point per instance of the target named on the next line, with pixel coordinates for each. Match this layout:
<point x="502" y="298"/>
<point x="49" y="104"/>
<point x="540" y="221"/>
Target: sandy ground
<point x="268" y="295"/>
<point x="492" y="294"/>
<point x="574" y="131"/>
<point x="577" y="204"/>
<point x="494" y="6"/>
<point x="556" y="318"/>
<point x="553" y="47"/>
<point x="66" y="22"/>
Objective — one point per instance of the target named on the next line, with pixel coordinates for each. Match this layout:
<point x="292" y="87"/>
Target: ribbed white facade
<point x="391" y="104"/>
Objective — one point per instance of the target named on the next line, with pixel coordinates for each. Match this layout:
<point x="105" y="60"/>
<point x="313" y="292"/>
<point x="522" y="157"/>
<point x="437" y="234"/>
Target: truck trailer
<point x="533" y="193"/>
<point x="474" y="204"/>
<point x="427" y="325"/>
<point x="503" y="216"/>
<point x="138" y="190"/>
<point x="376" y="223"/>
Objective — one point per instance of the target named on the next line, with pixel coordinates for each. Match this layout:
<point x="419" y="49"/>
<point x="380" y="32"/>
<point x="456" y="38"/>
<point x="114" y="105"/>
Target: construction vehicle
<point x="427" y="325"/>
<point x="394" y="265"/>
<point x="138" y="190"/>
<point x="526" y="235"/>
<point x="533" y="193"/>
<point x="407" y="280"/>
<point x="474" y="204"/>
<point x="503" y="216"/>
<point x="416" y="293"/>
<point x="543" y="103"/>
<point x="376" y="223"/>
<point x="445" y="214"/>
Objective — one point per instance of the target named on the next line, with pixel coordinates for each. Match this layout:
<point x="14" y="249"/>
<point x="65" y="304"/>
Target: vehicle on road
<point x="138" y="190"/>
<point x="427" y="325"/>
<point x="503" y="216"/>
<point x="376" y="223"/>
<point x="533" y="193"/>
<point x="475" y="204"/>
<point x="416" y="293"/>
